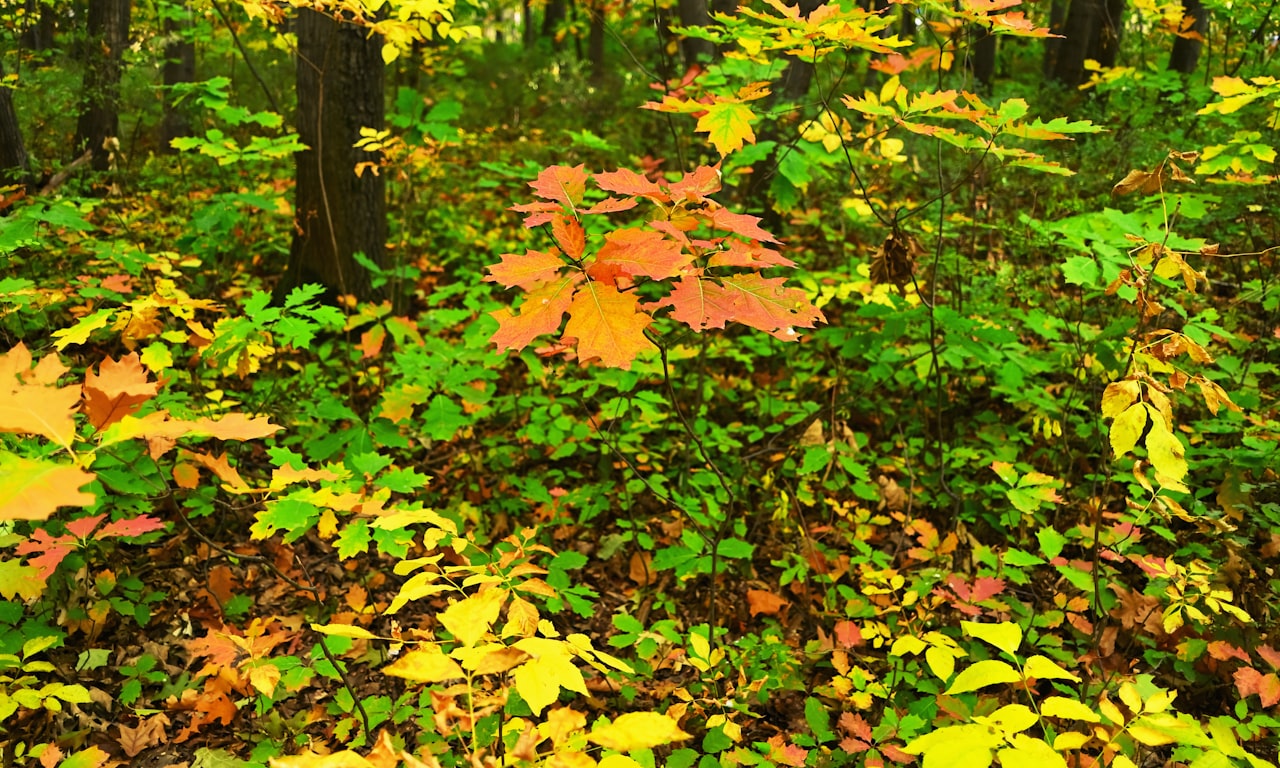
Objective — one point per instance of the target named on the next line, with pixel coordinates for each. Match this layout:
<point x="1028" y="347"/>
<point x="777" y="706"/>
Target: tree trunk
<point x="13" y="153"/>
<point x="100" y="106"/>
<point x="551" y="17"/>
<point x="528" y="33"/>
<point x="179" y="67"/>
<point x="595" y="41"/>
<point x="1091" y="30"/>
<point x="340" y="90"/>
<point x="694" y="13"/>
<point x="982" y="56"/>
<point x="1186" y="50"/>
<point x="41" y="20"/>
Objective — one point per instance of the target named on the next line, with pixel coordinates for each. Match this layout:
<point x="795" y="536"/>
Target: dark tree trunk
<point x="695" y="13"/>
<point x="551" y="18"/>
<point x="1091" y="30"/>
<point x="13" y="153"/>
<point x="41" y="22"/>
<point x="179" y="67"/>
<point x="100" y="106"/>
<point x="340" y="90"/>
<point x="1186" y="50"/>
<point x="982" y="56"/>
<point x="595" y="42"/>
<point x="528" y="33"/>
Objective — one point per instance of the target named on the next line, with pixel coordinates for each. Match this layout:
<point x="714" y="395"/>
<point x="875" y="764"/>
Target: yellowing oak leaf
<point x="607" y="325"/>
<point x="561" y="184"/>
<point x="767" y="304"/>
<point x="728" y="125"/>
<point x="644" y="252"/>
<point x="425" y="664"/>
<point x="1118" y="396"/>
<point x="469" y="619"/>
<point x="527" y="270"/>
<point x="32" y="489"/>
<point x="540" y="314"/>
<point x="637" y="730"/>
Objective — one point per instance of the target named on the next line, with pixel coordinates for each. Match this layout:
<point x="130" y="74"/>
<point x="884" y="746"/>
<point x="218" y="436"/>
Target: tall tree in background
<point x="1185" y="56"/>
<point x="179" y="67"/>
<point x="695" y="13"/>
<point x="339" y="213"/>
<point x="1090" y="29"/>
<point x="13" y="153"/>
<point x="108" y="35"/>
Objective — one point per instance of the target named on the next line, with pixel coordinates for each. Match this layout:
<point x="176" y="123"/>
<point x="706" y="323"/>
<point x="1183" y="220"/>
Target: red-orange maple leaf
<point x="561" y="184"/>
<point x="625" y="181"/>
<point x="1250" y="681"/>
<point x="766" y="304"/>
<point x="527" y="270"/>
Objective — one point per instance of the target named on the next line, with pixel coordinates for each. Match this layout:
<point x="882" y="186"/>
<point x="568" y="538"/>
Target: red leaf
<point x="133" y="527"/>
<point x="895" y="753"/>
<point x="786" y="754"/>
<point x="611" y="205"/>
<point x="1269" y="655"/>
<point x="1250" y="681"/>
<point x="699" y="304"/>
<point x="52" y="551"/>
<point x="742" y="254"/>
<point x="1222" y="650"/>
<point x="848" y="634"/>
<point x="539" y="213"/>
<point x="857" y="726"/>
<point x="643" y="252"/>
<point x="985" y="588"/>
<point x="81" y="527"/>
<point x="561" y="184"/>
<point x="696" y="185"/>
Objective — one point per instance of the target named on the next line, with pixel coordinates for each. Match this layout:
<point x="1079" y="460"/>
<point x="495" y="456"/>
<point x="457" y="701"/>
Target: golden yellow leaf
<point x="469" y="619"/>
<point x="1127" y="428"/>
<point x="638" y="730"/>
<point x="426" y="664"/>
<point x="539" y="680"/>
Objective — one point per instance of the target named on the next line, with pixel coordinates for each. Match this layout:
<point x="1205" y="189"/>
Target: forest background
<point x="587" y="383"/>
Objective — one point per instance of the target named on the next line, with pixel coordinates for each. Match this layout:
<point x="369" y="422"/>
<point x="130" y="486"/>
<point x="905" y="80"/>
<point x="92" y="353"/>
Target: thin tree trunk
<point x="982" y="56"/>
<point x="1185" y="56"/>
<point x="13" y="153"/>
<point x="179" y="67"/>
<point x="108" y="27"/>
<point x="695" y="13"/>
<point x="340" y="86"/>
<point x="595" y="41"/>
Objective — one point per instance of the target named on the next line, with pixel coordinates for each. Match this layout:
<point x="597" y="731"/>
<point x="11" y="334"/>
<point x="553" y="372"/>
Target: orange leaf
<point x="540" y="314"/>
<point x="117" y="390"/>
<point x="607" y="325"/>
<point x="30" y="401"/>
<point x="643" y="253"/>
<point x="31" y="489"/>
<point x="760" y="601"/>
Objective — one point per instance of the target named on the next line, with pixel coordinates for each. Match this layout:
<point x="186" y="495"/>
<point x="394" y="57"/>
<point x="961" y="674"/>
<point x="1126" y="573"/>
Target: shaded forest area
<point x="574" y="383"/>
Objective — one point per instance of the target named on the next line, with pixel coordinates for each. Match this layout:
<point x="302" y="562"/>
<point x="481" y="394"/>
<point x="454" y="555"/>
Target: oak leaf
<point x="607" y="326"/>
<point x="766" y="304"/>
<point x="116" y="390"/>
<point x="561" y="184"/>
<point x="643" y="253"/>
<point x="541" y="313"/>
<point x="31" y="489"/>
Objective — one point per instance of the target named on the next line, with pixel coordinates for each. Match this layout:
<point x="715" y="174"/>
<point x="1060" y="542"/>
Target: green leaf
<point x="982" y="674"/>
<point x="1006" y="636"/>
<point x="815" y="714"/>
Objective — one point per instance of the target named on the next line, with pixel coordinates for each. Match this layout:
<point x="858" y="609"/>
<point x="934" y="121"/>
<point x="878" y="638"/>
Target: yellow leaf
<point x="1012" y="718"/>
<point x="263" y="676"/>
<point x="637" y="730"/>
<point x="343" y="759"/>
<point x="907" y="644"/>
<point x="1060" y="706"/>
<point x="1071" y="740"/>
<point x="489" y="659"/>
<point x="344" y="630"/>
<point x="618" y="761"/>
<point x="1166" y="454"/>
<point x="420" y="586"/>
<point x="80" y="332"/>
<point x="982" y="674"/>
<point x="1119" y="396"/>
<point x="1131" y="698"/>
<point x="1028" y="752"/>
<point x="1127" y="428"/>
<point x="941" y="662"/>
<point x="427" y="664"/>
<point x="469" y="619"/>
<point x="1005" y="635"/>
<point x="562" y="723"/>
<point x="1111" y="711"/>
<point x="1044" y="668"/>
<point x="539" y="680"/>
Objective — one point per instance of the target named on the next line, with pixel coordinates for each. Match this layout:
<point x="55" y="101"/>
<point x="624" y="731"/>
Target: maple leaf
<point x="643" y="252"/>
<point x="695" y="185"/>
<point x="607" y="326"/>
<point x="52" y="551"/>
<point x="32" y="489"/>
<point x="235" y="426"/>
<point x="30" y="401"/>
<point x="540" y="314"/>
<point x="765" y="304"/>
<point x="147" y="733"/>
<point x="762" y="601"/>
<point x="561" y="184"/>
<point x="117" y="390"/>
